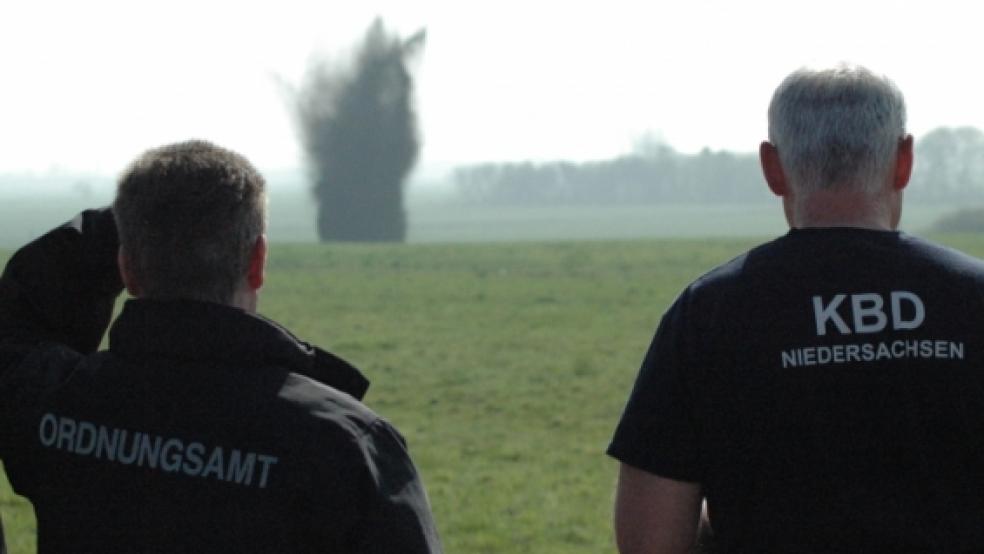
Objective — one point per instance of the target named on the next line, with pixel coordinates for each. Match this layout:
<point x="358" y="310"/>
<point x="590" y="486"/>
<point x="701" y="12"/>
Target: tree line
<point x="949" y="167"/>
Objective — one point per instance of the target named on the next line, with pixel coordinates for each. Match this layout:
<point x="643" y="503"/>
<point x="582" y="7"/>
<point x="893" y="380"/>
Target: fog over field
<point x="646" y="130"/>
<point x="435" y="215"/>
<point x="651" y="191"/>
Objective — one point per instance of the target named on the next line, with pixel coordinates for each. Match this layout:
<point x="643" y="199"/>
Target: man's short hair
<point x="188" y="216"/>
<point x="837" y="127"/>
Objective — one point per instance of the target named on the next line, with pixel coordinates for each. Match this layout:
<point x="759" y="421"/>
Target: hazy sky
<point x="88" y="85"/>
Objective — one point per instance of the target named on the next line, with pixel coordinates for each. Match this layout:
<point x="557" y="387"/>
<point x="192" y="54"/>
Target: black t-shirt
<point x="826" y="389"/>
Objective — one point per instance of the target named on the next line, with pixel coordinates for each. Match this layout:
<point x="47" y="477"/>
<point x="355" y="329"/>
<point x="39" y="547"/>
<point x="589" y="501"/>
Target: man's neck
<point x="246" y="299"/>
<point x="837" y="208"/>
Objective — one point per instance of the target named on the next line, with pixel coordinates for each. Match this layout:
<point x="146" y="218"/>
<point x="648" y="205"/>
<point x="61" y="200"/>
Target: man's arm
<point x="655" y="515"/>
<point x="59" y="289"/>
<point x="62" y="286"/>
<point x="398" y="515"/>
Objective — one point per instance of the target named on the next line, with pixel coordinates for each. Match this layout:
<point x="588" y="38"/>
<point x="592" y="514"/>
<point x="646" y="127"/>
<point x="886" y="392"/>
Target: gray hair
<point x="188" y="215"/>
<point x="836" y="127"/>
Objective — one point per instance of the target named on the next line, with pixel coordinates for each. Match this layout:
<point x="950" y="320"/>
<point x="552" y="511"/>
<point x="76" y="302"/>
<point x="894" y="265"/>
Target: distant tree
<point x="359" y="130"/>
<point x="949" y="167"/>
<point x="654" y="173"/>
<point x="950" y="163"/>
<point x="651" y="145"/>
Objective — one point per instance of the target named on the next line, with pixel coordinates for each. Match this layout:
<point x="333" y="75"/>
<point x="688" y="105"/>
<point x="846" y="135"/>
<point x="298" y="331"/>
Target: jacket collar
<point x="204" y="331"/>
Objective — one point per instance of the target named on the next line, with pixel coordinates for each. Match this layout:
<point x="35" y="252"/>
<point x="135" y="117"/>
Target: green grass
<point x="506" y="366"/>
<point x="18" y="519"/>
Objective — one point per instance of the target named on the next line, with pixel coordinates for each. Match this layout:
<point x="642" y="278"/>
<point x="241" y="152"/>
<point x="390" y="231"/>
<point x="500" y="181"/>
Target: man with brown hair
<point x="204" y="427"/>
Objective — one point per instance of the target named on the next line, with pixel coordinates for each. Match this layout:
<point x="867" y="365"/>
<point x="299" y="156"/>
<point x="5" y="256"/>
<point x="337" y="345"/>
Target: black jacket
<point x="203" y="428"/>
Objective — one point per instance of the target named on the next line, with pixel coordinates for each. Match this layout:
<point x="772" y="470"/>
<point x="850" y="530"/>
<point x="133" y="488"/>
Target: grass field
<point x="505" y="365"/>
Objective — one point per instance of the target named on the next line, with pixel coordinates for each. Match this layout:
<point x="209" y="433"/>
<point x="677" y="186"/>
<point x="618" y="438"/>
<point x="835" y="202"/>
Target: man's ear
<point x="257" y="263"/>
<point x="126" y="273"/>
<point x="772" y="169"/>
<point x="903" y="163"/>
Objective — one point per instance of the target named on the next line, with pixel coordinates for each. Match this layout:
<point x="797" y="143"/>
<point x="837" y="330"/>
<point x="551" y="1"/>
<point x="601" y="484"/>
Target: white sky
<point x="87" y="85"/>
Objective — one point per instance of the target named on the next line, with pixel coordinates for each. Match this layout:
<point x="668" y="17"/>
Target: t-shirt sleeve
<point x="398" y="515"/>
<point x="657" y="432"/>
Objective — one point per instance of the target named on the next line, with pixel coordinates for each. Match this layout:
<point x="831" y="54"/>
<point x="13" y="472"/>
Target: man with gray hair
<point x="204" y="427"/>
<point x="823" y="392"/>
